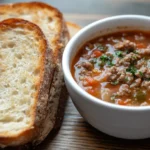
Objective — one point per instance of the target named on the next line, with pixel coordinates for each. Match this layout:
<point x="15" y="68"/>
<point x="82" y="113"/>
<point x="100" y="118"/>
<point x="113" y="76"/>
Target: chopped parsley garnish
<point x="114" y="83"/>
<point x="141" y="73"/>
<point x="131" y="69"/>
<point x="119" y="54"/>
<point x="104" y="59"/>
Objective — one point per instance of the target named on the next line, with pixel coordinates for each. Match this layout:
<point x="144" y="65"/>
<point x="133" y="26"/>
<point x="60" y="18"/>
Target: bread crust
<point x="63" y="91"/>
<point x="58" y="93"/>
<point x="46" y="73"/>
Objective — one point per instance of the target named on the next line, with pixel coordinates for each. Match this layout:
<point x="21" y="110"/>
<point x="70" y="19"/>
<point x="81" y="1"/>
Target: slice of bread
<point x="72" y="28"/>
<point x="51" y="22"/>
<point x="26" y="73"/>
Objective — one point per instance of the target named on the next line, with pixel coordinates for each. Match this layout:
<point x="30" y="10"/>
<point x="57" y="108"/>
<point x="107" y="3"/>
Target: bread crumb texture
<point x="19" y="78"/>
<point x="49" y="21"/>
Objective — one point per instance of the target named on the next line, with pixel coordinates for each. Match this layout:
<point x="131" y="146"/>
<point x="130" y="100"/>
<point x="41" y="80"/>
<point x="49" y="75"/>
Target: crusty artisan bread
<point x="51" y="22"/>
<point x="26" y="72"/>
<point x="72" y="28"/>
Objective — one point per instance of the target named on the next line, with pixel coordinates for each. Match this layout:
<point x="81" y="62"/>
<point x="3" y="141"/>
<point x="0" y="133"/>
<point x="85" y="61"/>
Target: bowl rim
<point x="73" y="83"/>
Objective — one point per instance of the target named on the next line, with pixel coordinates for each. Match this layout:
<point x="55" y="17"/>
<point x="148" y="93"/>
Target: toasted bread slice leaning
<point x="48" y="114"/>
<point x="52" y="24"/>
<point x="26" y="71"/>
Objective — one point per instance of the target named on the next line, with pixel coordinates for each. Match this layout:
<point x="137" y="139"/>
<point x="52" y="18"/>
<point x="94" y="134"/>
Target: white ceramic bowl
<point x="119" y="121"/>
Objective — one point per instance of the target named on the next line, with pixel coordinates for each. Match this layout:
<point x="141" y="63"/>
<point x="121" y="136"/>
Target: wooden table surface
<point x="75" y="133"/>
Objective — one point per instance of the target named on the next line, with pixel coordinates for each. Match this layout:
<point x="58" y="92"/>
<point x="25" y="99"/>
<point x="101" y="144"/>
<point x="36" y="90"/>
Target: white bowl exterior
<point x="119" y="121"/>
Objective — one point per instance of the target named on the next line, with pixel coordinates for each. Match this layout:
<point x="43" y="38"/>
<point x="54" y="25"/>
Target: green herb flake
<point x="106" y="60"/>
<point x="115" y="83"/>
<point x="119" y="54"/>
<point x="141" y="73"/>
<point x="131" y="69"/>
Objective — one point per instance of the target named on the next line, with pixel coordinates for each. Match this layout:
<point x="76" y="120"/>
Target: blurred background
<point x="91" y="10"/>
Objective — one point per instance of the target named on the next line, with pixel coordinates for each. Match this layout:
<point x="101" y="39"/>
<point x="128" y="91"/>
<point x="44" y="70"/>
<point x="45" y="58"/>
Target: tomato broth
<point x="116" y="68"/>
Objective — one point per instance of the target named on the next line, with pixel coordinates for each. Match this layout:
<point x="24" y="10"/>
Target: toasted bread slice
<point x="72" y="28"/>
<point x="26" y="71"/>
<point x="51" y="22"/>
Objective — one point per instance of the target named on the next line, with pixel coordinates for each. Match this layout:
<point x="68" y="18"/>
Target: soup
<point x="116" y="68"/>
